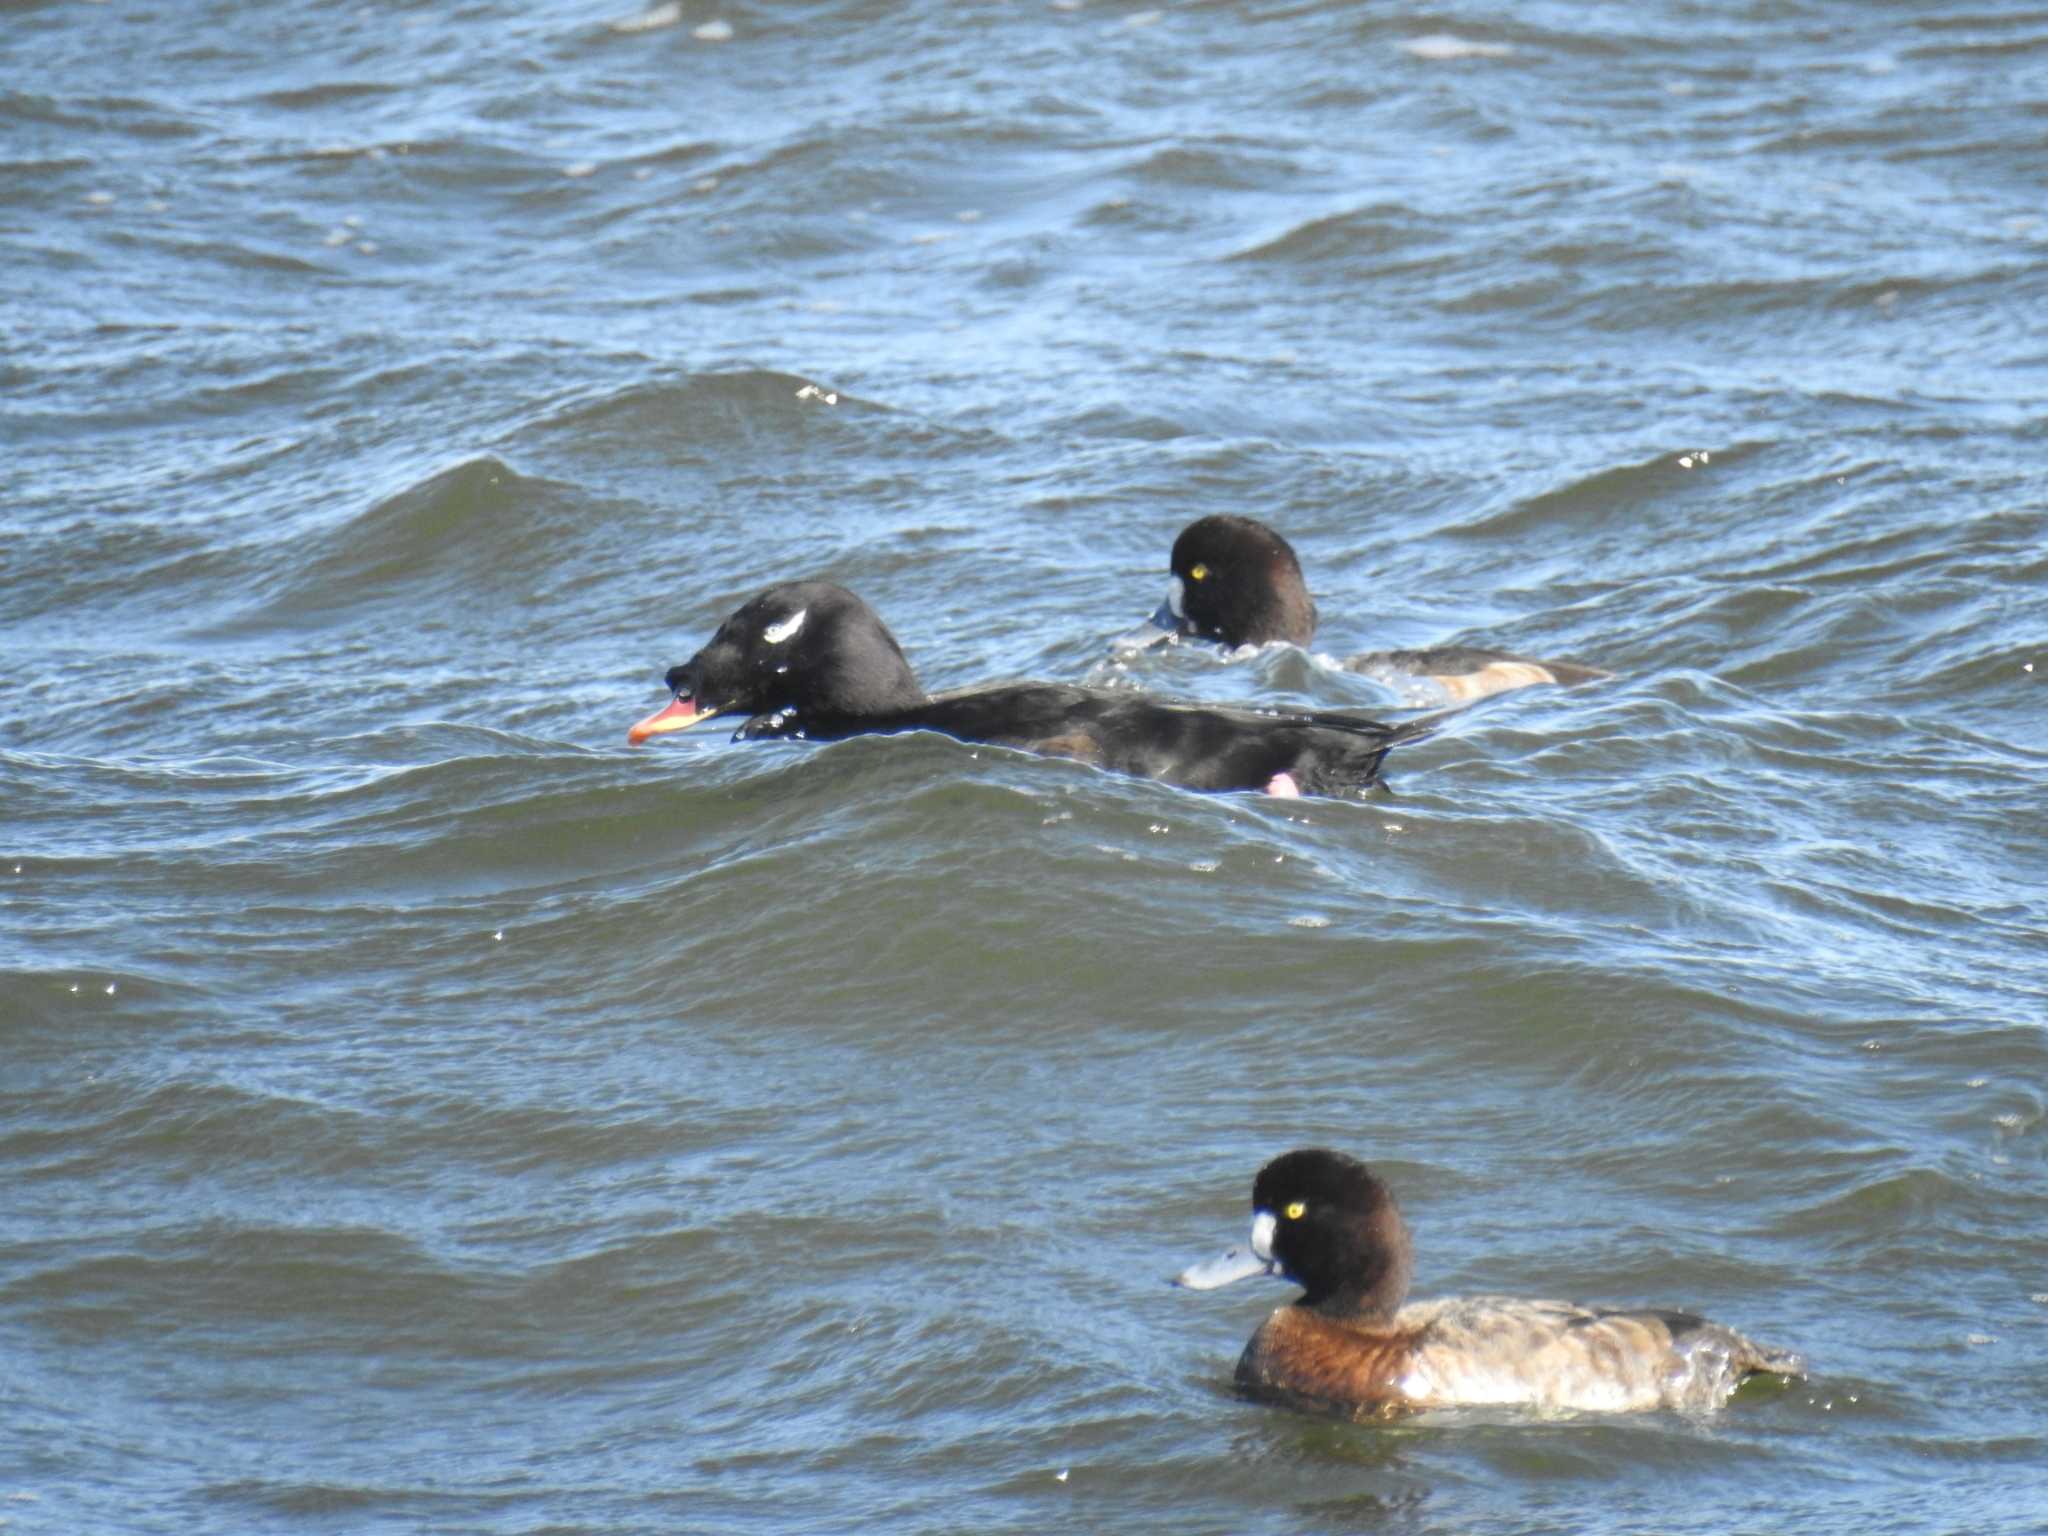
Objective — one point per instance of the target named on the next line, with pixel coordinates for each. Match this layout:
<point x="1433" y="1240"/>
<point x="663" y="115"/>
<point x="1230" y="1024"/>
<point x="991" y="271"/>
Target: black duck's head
<point x="810" y="649"/>
<point x="1324" y="1221"/>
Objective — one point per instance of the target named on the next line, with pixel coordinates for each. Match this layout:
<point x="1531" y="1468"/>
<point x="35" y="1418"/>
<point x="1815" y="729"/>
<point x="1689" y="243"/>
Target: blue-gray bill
<point x="1161" y="629"/>
<point x="1236" y="1264"/>
<point x="1256" y="1258"/>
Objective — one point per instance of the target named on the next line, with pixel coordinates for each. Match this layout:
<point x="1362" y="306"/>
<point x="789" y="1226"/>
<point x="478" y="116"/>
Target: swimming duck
<point x="810" y="659"/>
<point x="1323" y="1221"/>
<point x="1238" y="582"/>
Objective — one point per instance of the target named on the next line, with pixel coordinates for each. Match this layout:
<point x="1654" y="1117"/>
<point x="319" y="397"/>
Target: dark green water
<point x="419" y="1111"/>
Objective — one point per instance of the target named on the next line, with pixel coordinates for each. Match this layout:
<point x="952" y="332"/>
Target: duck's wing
<point x="1562" y="1356"/>
<point x="1197" y="746"/>
<point x="1282" y="751"/>
<point x="992" y="711"/>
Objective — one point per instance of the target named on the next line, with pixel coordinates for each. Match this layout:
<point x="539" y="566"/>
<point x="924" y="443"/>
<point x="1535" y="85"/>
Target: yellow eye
<point x="1200" y="573"/>
<point x="1295" y="1210"/>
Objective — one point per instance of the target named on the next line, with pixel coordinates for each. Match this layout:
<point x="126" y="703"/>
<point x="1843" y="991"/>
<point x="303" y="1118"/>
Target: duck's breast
<point x="1301" y="1358"/>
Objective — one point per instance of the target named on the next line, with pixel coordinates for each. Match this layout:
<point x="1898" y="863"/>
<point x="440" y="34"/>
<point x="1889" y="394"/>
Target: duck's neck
<point x="872" y="693"/>
<point x="1374" y="1282"/>
<point x="1370" y="1306"/>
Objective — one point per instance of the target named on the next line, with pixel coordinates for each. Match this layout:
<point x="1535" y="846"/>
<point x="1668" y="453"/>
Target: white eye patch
<point x="775" y="634"/>
<point x="1176" y="594"/>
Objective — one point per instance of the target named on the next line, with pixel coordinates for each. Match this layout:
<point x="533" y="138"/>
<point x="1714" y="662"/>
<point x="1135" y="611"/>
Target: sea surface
<point x="420" y="1111"/>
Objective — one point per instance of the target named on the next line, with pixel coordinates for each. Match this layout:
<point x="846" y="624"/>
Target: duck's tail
<point x="1772" y="1362"/>
<point x="1390" y="734"/>
<point x="1569" y="674"/>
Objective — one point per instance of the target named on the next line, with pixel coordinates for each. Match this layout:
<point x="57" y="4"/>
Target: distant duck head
<point x="1235" y="581"/>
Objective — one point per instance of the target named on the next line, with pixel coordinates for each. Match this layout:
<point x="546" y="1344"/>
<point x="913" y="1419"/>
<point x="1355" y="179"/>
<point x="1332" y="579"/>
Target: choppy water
<point x="420" y="1111"/>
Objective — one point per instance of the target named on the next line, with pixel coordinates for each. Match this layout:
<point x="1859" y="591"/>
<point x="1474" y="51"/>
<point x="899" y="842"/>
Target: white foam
<point x="1441" y="45"/>
<point x="652" y="20"/>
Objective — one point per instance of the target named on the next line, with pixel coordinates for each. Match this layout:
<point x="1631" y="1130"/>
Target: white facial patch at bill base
<point x="775" y="634"/>
<point x="1263" y="1224"/>
<point x="1176" y="596"/>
